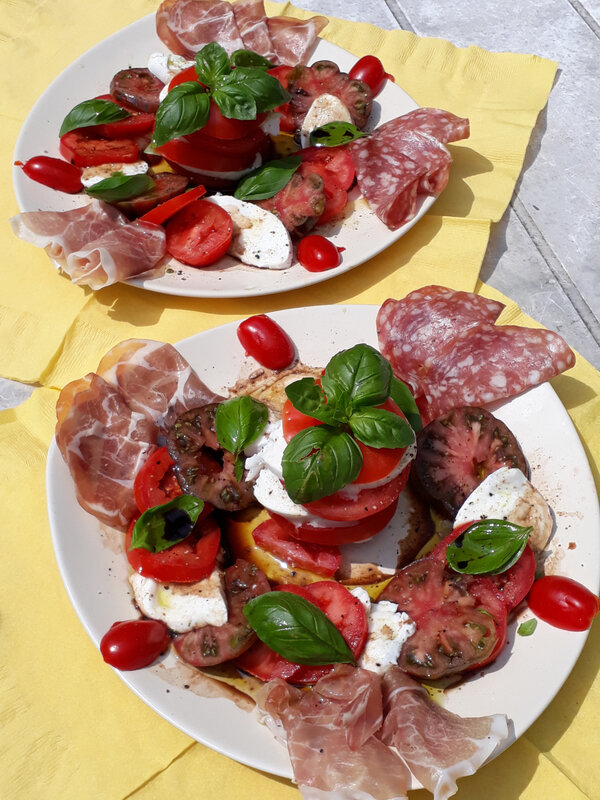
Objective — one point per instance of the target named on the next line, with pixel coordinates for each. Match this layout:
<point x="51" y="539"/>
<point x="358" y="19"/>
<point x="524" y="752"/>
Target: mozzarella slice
<point x="165" y="66"/>
<point x="388" y="630"/>
<point x="325" y="108"/>
<point x="507" y="494"/>
<point x="259" y="238"/>
<point x="92" y="175"/>
<point x="182" y="606"/>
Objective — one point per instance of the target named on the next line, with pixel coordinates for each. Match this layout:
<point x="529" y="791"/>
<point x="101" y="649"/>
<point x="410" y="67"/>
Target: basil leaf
<point x="248" y="58"/>
<point x="527" y="628"/>
<point x="378" y="427"/>
<point x="307" y="396"/>
<point x="92" y="112"/>
<point x="333" y="134"/>
<point x="490" y="546"/>
<point x="184" y="110"/>
<point x="297" y="629"/>
<point x="212" y="64"/>
<point x="235" y="101"/>
<point x="403" y="397"/>
<point x="362" y="373"/>
<point x="267" y="180"/>
<point x="163" y="526"/>
<point x="120" y="187"/>
<point x="265" y="89"/>
<point x="319" y="461"/>
<point x="239" y="422"/>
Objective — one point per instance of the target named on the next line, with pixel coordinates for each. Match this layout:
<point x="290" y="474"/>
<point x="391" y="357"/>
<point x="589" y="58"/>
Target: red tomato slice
<point x="266" y="341"/>
<point x="286" y="123"/>
<point x="134" y="643"/>
<point x="336" y="197"/>
<point x="155" y="483"/>
<point x="188" y="561"/>
<point x="358" y="531"/>
<point x="170" y="207"/>
<point x="199" y="234"/>
<point x="138" y="123"/>
<point x="84" y="150"/>
<point x="265" y="664"/>
<point x="186" y="154"/>
<point x="335" y="161"/>
<point x="274" y="536"/>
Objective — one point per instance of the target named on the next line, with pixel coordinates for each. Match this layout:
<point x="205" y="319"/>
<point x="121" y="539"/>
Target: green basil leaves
<point x="487" y="547"/>
<point x="527" y="628"/>
<point x="163" y="526"/>
<point x="120" y="187"/>
<point x="333" y="134"/>
<point x="240" y="87"/>
<point x="321" y="460"/>
<point x="239" y="422"/>
<point x="266" y="181"/>
<point x="92" y="112"/>
<point x="296" y="629"/>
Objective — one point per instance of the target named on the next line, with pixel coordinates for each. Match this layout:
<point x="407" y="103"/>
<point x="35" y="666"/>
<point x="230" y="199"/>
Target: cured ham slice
<point x="445" y="345"/>
<point x="438" y="746"/>
<point x="155" y="379"/>
<point x="442" y="125"/>
<point x="294" y="39"/>
<point x="329" y="733"/>
<point x="95" y="244"/>
<point x="103" y="443"/>
<point x="185" y="26"/>
<point x="254" y="30"/>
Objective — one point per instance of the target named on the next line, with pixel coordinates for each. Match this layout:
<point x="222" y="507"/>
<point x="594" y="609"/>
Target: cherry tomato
<point x="84" y="150"/>
<point x="188" y="561"/>
<point x="134" y="643"/>
<point x="155" y="483"/>
<point x="316" y="253"/>
<point x="53" y="172"/>
<point x="274" y="536"/>
<point x="266" y="341"/>
<point x="370" y="70"/>
<point x="170" y="207"/>
<point x="563" y="602"/>
<point x="199" y="234"/>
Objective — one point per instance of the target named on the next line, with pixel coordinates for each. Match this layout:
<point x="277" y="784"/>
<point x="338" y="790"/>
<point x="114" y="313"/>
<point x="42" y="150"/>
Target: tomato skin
<point x="370" y="70"/>
<point x="199" y="234"/>
<point x="563" y="603"/>
<point x="53" y="172"/>
<point x="317" y="254"/>
<point x="134" y="644"/>
<point x="266" y="341"/>
<point x="84" y="150"/>
<point x="170" y="207"/>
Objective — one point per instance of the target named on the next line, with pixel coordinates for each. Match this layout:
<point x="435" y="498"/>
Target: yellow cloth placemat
<point x="44" y="318"/>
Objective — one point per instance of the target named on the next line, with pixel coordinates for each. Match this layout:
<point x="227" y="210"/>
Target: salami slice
<point x="491" y="362"/>
<point x="413" y="331"/>
<point x="442" y="125"/>
<point x="427" y="152"/>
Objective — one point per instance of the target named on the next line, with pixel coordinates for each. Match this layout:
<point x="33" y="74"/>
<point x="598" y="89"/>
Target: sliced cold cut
<point x="186" y="26"/>
<point x="442" y="125"/>
<point x="252" y="25"/>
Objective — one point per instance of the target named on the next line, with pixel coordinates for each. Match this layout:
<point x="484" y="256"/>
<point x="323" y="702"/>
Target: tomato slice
<point x="336" y="163"/>
<point x="274" y="536"/>
<point x="286" y="123"/>
<point x="84" y="150"/>
<point x="188" y="561"/>
<point x="265" y="664"/>
<point x="170" y="207"/>
<point x="358" y="531"/>
<point x="155" y="483"/>
<point x="199" y="234"/>
<point x="187" y="154"/>
<point x="137" y="124"/>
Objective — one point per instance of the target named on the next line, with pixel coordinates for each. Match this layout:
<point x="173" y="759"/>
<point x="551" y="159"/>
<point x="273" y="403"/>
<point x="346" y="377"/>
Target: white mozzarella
<point x="271" y="124"/>
<point x="229" y="176"/>
<point x="92" y="175"/>
<point x="259" y="238"/>
<point x="325" y="108"/>
<point x="266" y="452"/>
<point x="388" y="630"/>
<point x="181" y="606"/>
<point x="507" y="494"/>
<point x="166" y="65"/>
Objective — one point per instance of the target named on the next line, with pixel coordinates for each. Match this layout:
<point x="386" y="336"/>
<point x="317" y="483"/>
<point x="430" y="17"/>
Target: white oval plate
<point x="523" y="680"/>
<point x="361" y="233"/>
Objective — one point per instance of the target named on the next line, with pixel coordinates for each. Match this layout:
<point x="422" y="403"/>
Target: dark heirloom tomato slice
<point x="188" y="561"/>
<point x="137" y="88"/>
<point x="166" y="185"/>
<point x="355" y="531"/>
<point x="274" y="536"/>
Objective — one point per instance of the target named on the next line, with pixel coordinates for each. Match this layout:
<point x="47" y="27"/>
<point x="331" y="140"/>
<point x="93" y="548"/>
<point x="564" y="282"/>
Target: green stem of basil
<point x="488" y="547"/>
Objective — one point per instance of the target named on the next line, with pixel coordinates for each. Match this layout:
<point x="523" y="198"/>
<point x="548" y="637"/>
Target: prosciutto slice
<point x="254" y="30"/>
<point x="185" y="26"/>
<point x="95" y="244"/>
<point x="294" y="39"/>
<point x="329" y="733"/>
<point x="155" y="379"/>
<point x="438" y="746"/>
<point x="104" y="443"/>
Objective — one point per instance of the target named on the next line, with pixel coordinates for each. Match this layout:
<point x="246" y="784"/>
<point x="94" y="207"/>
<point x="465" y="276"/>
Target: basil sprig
<point x="120" y="187"/>
<point x="266" y="181"/>
<point x="402" y="396"/>
<point x="321" y="460"/>
<point x="240" y="92"/>
<point x="297" y="629"/>
<point x="163" y="526"/>
<point x="239" y="422"/>
<point x="92" y="112"/>
<point x="487" y="547"/>
<point x="332" y="134"/>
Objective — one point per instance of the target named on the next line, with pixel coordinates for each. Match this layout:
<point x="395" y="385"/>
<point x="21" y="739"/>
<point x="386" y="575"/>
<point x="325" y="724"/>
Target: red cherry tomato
<point x="370" y="70"/>
<point x="274" y="536"/>
<point x="170" y="207"/>
<point x="199" y="234"/>
<point x="134" y="643"/>
<point x="316" y="253"/>
<point x="563" y="602"/>
<point x="266" y="341"/>
<point x="53" y="172"/>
